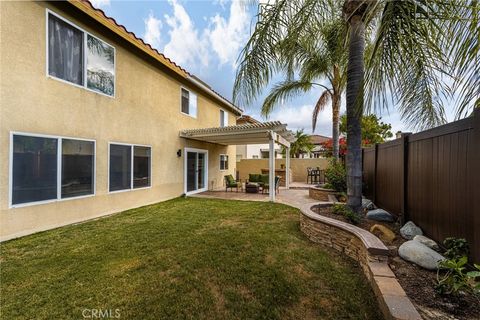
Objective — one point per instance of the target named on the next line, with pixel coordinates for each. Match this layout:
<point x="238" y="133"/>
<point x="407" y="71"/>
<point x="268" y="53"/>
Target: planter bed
<point x="417" y="282"/>
<point x="320" y="193"/>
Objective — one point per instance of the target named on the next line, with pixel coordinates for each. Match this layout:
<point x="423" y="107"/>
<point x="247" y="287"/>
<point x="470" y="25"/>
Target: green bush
<point x="336" y="176"/>
<point x="454" y="278"/>
<point x="456" y="248"/>
<point x="345" y="211"/>
<point x="452" y="275"/>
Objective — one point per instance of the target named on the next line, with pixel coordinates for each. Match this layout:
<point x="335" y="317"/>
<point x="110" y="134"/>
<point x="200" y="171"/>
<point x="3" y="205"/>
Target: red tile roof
<point x="318" y="139"/>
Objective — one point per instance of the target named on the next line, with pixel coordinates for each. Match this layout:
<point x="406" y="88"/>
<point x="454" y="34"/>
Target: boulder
<point x="420" y="254"/>
<point x="383" y="233"/>
<point x="427" y="241"/>
<point x="367" y="204"/>
<point x="410" y="230"/>
<point x="380" y="215"/>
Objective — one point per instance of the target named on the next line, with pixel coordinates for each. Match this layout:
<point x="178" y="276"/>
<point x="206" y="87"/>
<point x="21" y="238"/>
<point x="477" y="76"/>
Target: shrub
<point x="336" y="176"/>
<point x="345" y="211"/>
<point x="456" y="248"/>
<point x="455" y="278"/>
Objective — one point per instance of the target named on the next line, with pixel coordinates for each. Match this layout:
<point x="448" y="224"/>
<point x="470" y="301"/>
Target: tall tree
<point x="314" y="58"/>
<point x="302" y="144"/>
<point x="373" y="129"/>
<point x="417" y="45"/>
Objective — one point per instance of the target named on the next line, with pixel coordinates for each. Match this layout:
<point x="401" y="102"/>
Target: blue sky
<point x="205" y="38"/>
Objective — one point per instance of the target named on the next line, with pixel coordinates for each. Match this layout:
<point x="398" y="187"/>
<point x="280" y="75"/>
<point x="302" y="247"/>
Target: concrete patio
<point x="295" y="197"/>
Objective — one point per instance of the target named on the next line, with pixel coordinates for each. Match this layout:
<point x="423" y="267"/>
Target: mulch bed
<point x="418" y="283"/>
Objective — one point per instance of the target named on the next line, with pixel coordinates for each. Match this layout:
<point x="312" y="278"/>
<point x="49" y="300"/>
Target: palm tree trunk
<point x="336" y="124"/>
<point x="355" y="76"/>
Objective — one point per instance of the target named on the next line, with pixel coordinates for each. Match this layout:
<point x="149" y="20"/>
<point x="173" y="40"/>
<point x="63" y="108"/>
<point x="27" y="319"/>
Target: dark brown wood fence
<point x="432" y="178"/>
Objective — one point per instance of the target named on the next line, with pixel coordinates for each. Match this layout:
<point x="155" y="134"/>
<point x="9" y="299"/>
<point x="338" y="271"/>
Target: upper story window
<point x="77" y="57"/>
<point x="223" y="118"/>
<point x="189" y="103"/>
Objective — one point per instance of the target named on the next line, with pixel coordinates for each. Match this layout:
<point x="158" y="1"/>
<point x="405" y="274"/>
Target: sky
<point x="205" y="37"/>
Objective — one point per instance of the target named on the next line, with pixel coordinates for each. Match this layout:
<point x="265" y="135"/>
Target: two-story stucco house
<point x="90" y="120"/>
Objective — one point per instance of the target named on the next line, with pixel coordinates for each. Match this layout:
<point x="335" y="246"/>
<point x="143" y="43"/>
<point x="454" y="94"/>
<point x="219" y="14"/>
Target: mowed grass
<point x="183" y="259"/>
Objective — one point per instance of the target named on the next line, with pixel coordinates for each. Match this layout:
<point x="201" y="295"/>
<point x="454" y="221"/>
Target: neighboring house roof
<point x="246" y="119"/>
<point x="319" y="139"/>
<point x="110" y="23"/>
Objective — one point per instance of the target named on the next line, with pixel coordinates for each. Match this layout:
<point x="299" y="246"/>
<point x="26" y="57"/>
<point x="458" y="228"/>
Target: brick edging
<point x="370" y="252"/>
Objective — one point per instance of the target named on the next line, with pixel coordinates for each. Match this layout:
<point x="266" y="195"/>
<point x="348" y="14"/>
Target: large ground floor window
<point x="130" y="167"/>
<point x="46" y="168"/>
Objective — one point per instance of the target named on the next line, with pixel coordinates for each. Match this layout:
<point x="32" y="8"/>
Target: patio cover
<point x="252" y="133"/>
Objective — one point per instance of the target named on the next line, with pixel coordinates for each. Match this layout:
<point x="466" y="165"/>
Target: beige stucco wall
<point x="146" y="110"/>
<point x="297" y="166"/>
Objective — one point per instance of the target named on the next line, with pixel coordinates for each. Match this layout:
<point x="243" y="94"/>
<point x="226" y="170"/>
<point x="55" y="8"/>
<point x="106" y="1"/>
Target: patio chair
<point x="309" y="175"/>
<point x="232" y="183"/>
<point x="266" y="186"/>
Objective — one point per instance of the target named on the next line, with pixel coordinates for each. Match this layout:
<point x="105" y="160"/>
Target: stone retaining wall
<point x="320" y="194"/>
<point x="371" y="254"/>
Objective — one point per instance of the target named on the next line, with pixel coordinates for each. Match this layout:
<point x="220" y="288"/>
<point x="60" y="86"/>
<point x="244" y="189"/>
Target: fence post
<point x="374" y="193"/>
<point x="404" y="177"/>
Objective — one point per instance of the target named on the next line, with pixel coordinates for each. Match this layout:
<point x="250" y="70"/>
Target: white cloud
<point x="228" y="36"/>
<point x="300" y="117"/>
<point x="100" y="3"/>
<point x="152" y="30"/>
<point x="186" y="46"/>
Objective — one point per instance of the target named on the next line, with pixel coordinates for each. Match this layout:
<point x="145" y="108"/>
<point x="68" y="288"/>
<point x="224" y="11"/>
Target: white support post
<point x="287" y="170"/>
<point x="271" y="168"/>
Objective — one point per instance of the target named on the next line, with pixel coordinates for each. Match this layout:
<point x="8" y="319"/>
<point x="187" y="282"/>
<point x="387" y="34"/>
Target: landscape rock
<point x="383" y="233"/>
<point x="427" y="241"/>
<point x="367" y="204"/>
<point x="420" y="254"/>
<point x="380" y="215"/>
<point x="410" y="230"/>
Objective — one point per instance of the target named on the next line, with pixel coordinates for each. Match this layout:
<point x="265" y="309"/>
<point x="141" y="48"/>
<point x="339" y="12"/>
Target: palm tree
<point x="415" y="43"/>
<point x="314" y="58"/>
<point x="301" y="145"/>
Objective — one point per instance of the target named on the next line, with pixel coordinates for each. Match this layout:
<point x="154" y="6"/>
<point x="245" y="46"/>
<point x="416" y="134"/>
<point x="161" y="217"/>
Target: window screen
<point x="141" y="167"/>
<point x="65" y="51"/>
<point x="120" y="167"/>
<point x="34" y="169"/>
<point x="185" y="101"/>
<point x="77" y="168"/>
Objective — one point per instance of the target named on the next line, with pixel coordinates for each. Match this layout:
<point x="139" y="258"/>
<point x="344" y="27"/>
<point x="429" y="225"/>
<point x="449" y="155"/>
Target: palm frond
<point x="463" y="45"/>
<point x="260" y="59"/>
<point x="406" y="65"/>
<point x="320" y="106"/>
<point x="283" y="91"/>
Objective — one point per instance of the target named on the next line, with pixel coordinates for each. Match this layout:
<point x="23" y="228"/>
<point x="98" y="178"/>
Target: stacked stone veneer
<point x="371" y="254"/>
<point x="320" y="193"/>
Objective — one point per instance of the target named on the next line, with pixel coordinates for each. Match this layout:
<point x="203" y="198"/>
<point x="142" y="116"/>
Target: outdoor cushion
<point x="254" y="177"/>
<point x="264" y="178"/>
<point x="230" y="181"/>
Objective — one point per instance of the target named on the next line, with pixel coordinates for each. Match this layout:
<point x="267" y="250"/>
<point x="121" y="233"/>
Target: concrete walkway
<point x="293" y="197"/>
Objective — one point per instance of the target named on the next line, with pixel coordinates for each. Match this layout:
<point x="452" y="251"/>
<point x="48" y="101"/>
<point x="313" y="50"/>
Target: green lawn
<point x="183" y="259"/>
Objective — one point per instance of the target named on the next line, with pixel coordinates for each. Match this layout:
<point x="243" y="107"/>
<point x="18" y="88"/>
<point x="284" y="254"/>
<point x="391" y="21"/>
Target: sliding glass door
<point x="195" y="170"/>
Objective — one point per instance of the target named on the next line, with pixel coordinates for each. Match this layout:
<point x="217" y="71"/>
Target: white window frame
<point x="220" y="164"/>
<point x="225" y="118"/>
<point x="132" y="148"/>
<point x="190" y="92"/>
<point x="59" y="169"/>
<point x="204" y="151"/>
<point x="85" y="34"/>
